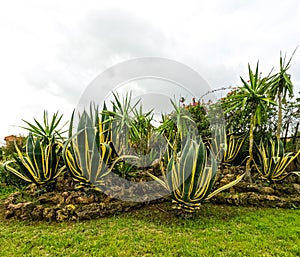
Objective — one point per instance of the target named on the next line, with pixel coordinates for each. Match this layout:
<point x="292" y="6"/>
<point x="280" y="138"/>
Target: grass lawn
<point x="153" y="231"/>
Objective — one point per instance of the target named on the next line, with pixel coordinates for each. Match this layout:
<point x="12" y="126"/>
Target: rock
<point x="267" y="190"/>
<point x="61" y="215"/>
<point x="224" y="181"/>
<point x="64" y="182"/>
<point x="9" y="214"/>
<point x="226" y="171"/>
<point x="235" y="199"/>
<point x="71" y="197"/>
<point x="52" y="198"/>
<point x="12" y="198"/>
<point x="31" y="189"/>
<point x="227" y="179"/>
<point x="272" y="198"/>
<point x="65" y="194"/>
<point x="37" y="213"/>
<point x="49" y="214"/>
<point x="88" y="212"/>
<point x="20" y="210"/>
<point x="84" y="200"/>
<point x="297" y="187"/>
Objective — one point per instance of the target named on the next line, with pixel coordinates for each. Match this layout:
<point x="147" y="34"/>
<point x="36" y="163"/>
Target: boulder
<point x="267" y="190"/>
<point x="51" y="198"/>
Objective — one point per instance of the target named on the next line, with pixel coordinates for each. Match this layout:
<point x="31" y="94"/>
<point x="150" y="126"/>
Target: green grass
<point x="215" y="231"/>
<point x="5" y="191"/>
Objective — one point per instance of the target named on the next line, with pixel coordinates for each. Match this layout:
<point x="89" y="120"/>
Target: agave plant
<point x="225" y="147"/>
<point x="274" y="161"/>
<point x="40" y="164"/>
<point x="233" y="146"/>
<point x="190" y="176"/>
<point x="218" y="142"/>
<point x="85" y="155"/>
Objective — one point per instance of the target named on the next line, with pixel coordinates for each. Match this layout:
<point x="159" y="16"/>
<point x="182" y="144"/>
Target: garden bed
<point x="70" y="204"/>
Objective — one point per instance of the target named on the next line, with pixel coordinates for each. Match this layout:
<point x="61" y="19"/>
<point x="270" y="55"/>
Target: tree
<point x="251" y="96"/>
<point x="280" y="86"/>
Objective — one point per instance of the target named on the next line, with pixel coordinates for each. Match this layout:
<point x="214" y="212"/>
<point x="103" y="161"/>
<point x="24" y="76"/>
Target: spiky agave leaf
<point x="233" y="146"/>
<point x="273" y="161"/>
<point x="190" y="176"/>
<point x="40" y="164"/>
<point x="86" y="157"/>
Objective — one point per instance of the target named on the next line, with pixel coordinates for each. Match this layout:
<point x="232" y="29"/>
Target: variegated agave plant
<point x="87" y="153"/>
<point x="273" y="161"/>
<point x="190" y="176"/>
<point x="225" y="147"/>
<point x="40" y="164"/>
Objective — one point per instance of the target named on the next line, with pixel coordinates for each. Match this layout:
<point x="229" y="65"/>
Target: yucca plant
<point x="40" y="164"/>
<point x="85" y="155"/>
<point x="141" y="131"/>
<point x="281" y="87"/>
<point x="274" y="161"/>
<point x="190" y="176"/>
<point x="132" y="132"/>
<point x="121" y="121"/>
<point x="252" y="96"/>
<point x="48" y="129"/>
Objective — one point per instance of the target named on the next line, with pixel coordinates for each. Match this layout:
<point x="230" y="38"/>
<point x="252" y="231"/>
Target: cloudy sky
<point x="51" y="50"/>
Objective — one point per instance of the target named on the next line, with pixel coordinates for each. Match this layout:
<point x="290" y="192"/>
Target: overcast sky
<point x="51" y="50"/>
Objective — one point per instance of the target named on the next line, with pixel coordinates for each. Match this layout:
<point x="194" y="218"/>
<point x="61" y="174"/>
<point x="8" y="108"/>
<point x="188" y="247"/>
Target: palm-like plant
<point x="47" y="130"/>
<point x="252" y="95"/>
<point x="281" y="87"/>
<point x="121" y="122"/>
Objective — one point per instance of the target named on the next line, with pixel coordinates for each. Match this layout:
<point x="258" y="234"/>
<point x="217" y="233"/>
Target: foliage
<point x="176" y="128"/>
<point x="49" y="129"/>
<point x="233" y="147"/>
<point x="198" y="112"/>
<point x="121" y="122"/>
<point x="280" y="86"/>
<point x="254" y="96"/>
<point x="87" y="158"/>
<point x="10" y="179"/>
<point x="190" y="176"/>
<point x="8" y="151"/>
<point x="40" y="164"/>
<point x="273" y="161"/>
<point x="218" y="142"/>
<point x="133" y="134"/>
<point x="225" y="148"/>
<point x="141" y="131"/>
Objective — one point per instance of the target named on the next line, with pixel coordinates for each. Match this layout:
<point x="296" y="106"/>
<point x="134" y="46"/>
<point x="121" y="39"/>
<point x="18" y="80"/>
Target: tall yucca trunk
<point x="248" y="163"/>
<point x="279" y="122"/>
